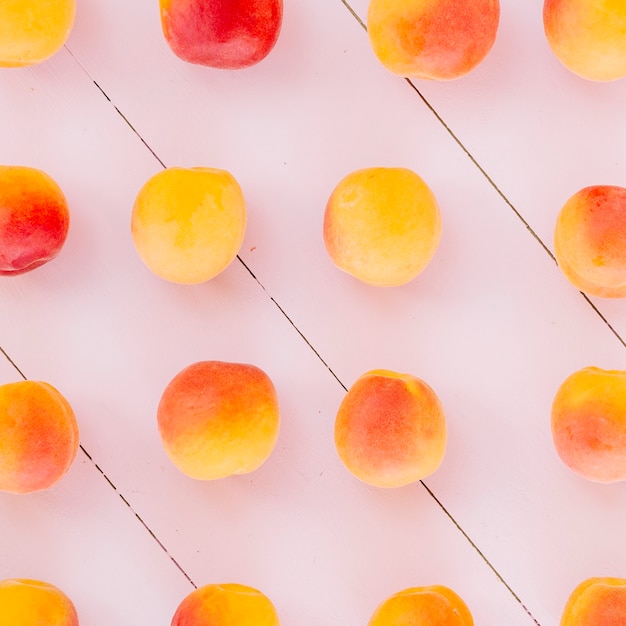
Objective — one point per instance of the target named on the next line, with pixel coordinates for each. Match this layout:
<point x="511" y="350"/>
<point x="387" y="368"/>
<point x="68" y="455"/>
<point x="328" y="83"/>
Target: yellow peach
<point x="38" y="436"/>
<point x="596" y="602"/>
<point x="382" y="225"/>
<point x="31" y="31"/>
<point x="26" y="602"/>
<point x="227" y="604"/>
<point x="390" y="429"/>
<point x="590" y="240"/>
<point x="217" y="419"/>
<point x="188" y="224"/>
<point x="432" y="39"/>
<point x="589" y="424"/>
<point x="587" y="36"/>
<point x="435" y="605"/>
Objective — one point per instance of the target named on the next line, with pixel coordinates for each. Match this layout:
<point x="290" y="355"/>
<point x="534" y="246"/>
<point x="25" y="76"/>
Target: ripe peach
<point x="34" y="219"/>
<point x="26" y="602"/>
<point x="225" y="34"/>
<point x="390" y="429"/>
<point x="589" y="423"/>
<point x="435" y="605"/>
<point x="31" y="31"/>
<point x="225" y="605"/>
<point x="188" y="223"/>
<point x="382" y="225"/>
<point x="217" y="419"/>
<point x="38" y="436"/>
<point x="590" y="240"/>
<point x="596" y="602"/>
<point x="433" y="39"/>
<point x="587" y="36"/>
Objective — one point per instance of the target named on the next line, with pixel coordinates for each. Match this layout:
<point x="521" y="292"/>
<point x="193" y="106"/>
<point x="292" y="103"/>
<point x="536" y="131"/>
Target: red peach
<point x="26" y="602"/>
<point x="38" y="436"/>
<point x="226" y="34"/>
<point x="34" y="219"/>
<point x="217" y="419"/>
<point x="596" y="602"/>
<point x="390" y="429"/>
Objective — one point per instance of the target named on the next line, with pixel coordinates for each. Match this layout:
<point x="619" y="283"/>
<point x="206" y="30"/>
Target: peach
<point x="435" y="605"/>
<point x="38" y="436"/>
<point x="587" y="36"/>
<point x="217" y="419"/>
<point x="596" y="602"/>
<point x="390" y="429"/>
<point x="31" y="31"/>
<point x="590" y="240"/>
<point x="589" y="424"/>
<point x="188" y="224"/>
<point x="34" y="219"/>
<point x="224" y="34"/>
<point x="25" y="602"/>
<point x="432" y="39"/>
<point x="227" y="604"/>
<point x="382" y="225"/>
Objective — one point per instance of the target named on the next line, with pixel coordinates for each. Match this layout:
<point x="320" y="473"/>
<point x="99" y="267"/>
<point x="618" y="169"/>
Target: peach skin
<point x="188" y="224"/>
<point x="587" y="36"/>
<point x="26" y="602"/>
<point x="596" y="602"/>
<point x="435" y="605"/>
<point x="38" y="436"/>
<point x="225" y="605"/>
<point x="34" y="219"/>
<point x="390" y="429"/>
<point x="432" y="39"/>
<point x="32" y="31"/>
<point x="217" y="419"/>
<point x="382" y="225"/>
<point x="589" y="424"/>
<point x="223" y="34"/>
<point x="590" y="240"/>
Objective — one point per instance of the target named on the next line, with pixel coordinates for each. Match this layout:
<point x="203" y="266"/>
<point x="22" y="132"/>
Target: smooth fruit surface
<point x="596" y="602"/>
<point x="590" y="240"/>
<point x="589" y="423"/>
<point x="433" y="39"/>
<point x="34" y="219"/>
<point x="226" y="605"/>
<point x="435" y="605"/>
<point x="390" y="429"/>
<point x="188" y="224"/>
<point x="587" y="36"/>
<point x="217" y="419"/>
<point x="26" y="602"/>
<point x="31" y="31"/>
<point x="382" y="225"/>
<point x="38" y="436"/>
<point x="224" y="34"/>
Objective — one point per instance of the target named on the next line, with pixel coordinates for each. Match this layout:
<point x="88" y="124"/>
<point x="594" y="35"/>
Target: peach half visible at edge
<point x="432" y="39"/>
<point x="223" y="34"/>
<point x="587" y="36"/>
<point x="34" y="219"/>
<point x="390" y="429"/>
<point x="25" y="602"/>
<point x="38" y="436"/>
<point x="588" y="420"/>
<point x="31" y="31"/>
<point x="217" y="419"/>
<point x="226" y="604"/>
<point x="590" y="240"/>
<point x="599" y="601"/>
<point x="382" y="225"/>
<point x="188" y="224"/>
